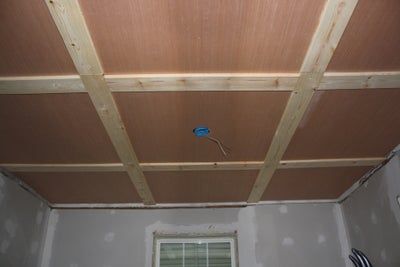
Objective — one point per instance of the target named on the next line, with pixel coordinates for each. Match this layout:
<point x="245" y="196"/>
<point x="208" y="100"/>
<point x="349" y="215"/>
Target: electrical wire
<point x="223" y="148"/>
<point x="359" y="259"/>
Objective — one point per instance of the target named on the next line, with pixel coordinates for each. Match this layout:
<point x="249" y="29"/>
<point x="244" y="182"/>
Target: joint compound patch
<point x="383" y="255"/>
<point x="321" y="239"/>
<point x="283" y="209"/>
<point x="287" y="241"/>
<point x="4" y="246"/>
<point x="34" y="247"/>
<point x="109" y="237"/>
<point x="374" y="219"/>
<point x="10" y="227"/>
<point x="39" y="217"/>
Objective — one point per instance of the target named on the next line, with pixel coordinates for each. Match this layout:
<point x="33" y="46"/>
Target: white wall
<point x="301" y="235"/>
<point x="372" y="216"/>
<point x="23" y="220"/>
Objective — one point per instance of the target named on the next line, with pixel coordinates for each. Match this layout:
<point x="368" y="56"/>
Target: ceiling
<point x="63" y="130"/>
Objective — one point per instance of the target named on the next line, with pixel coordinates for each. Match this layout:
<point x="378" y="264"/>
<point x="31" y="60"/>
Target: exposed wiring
<point x="224" y="149"/>
<point x="359" y="259"/>
<point x="203" y="131"/>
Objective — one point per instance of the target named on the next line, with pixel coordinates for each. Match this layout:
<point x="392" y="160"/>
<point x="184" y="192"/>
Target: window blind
<point x="195" y="254"/>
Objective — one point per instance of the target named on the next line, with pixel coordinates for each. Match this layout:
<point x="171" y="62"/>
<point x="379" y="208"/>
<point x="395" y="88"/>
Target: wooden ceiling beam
<point x="71" y="24"/>
<point x="333" y="21"/>
<point x="193" y="166"/>
<point x="198" y="82"/>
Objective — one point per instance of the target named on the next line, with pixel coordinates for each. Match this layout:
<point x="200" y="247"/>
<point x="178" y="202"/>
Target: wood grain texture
<point x="198" y="82"/>
<point x="332" y="23"/>
<point x="41" y="84"/>
<point x="371" y="41"/>
<point x="202" y="82"/>
<point x="108" y="112"/>
<point x="82" y="187"/>
<point x="318" y="183"/>
<point x="160" y="124"/>
<point x="190" y="166"/>
<point x="201" y="35"/>
<point x="207" y="186"/>
<point x="359" y="80"/>
<point x="52" y="128"/>
<point x="70" y="22"/>
<point x="30" y="43"/>
<point x="348" y="123"/>
<point x="72" y="26"/>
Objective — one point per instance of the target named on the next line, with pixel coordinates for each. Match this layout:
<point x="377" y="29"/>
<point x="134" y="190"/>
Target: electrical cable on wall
<point x="202" y="131"/>
<point x="359" y="259"/>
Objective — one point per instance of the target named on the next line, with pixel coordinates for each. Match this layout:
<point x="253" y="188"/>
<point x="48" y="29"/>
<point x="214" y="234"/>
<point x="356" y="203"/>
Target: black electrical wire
<point x="359" y="259"/>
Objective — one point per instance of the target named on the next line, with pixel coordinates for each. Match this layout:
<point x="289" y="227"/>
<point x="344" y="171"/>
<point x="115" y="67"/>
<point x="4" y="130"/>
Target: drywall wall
<point x="372" y="216"/>
<point x="23" y="220"/>
<point x="300" y="235"/>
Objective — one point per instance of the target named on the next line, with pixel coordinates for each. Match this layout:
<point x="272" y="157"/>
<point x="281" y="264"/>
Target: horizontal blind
<point x="212" y="254"/>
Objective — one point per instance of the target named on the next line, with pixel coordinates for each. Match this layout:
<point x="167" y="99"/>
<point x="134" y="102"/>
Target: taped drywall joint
<point x="368" y="175"/>
<point x="25" y="186"/>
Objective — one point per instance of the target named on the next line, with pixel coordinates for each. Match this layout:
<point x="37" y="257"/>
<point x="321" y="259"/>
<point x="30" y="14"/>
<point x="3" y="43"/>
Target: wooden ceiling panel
<point x="317" y="183"/>
<point x="52" y="128"/>
<point x="88" y="187"/>
<point x="347" y="124"/>
<point x="30" y="43"/>
<point x="160" y="124"/>
<point x="371" y="41"/>
<point x="201" y="186"/>
<point x="201" y="35"/>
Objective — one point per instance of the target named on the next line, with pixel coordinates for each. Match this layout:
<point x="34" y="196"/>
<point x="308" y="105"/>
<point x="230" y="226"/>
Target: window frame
<point x="230" y="238"/>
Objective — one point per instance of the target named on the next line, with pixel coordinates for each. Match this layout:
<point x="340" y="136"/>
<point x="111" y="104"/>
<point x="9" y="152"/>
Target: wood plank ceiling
<point x="98" y="98"/>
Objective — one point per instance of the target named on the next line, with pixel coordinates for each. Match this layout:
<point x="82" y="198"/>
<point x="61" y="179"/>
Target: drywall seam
<point x="45" y="228"/>
<point x="342" y="232"/>
<point x="24" y="186"/>
<point x="368" y="175"/>
<point x="49" y="237"/>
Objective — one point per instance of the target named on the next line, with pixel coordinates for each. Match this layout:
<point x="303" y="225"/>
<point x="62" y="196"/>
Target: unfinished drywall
<point x="372" y="216"/>
<point x="23" y="221"/>
<point x="300" y="235"/>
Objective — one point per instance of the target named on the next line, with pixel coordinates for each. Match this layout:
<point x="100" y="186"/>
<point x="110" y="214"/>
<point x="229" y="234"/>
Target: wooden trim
<point x="202" y="166"/>
<point x="70" y="22"/>
<point x="202" y="82"/>
<point x="360" y="80"/>
<point x="198" y="82"/>
<point x="326" y="163"/>
<point x="77" y="167"/>
<point x="186" y="205"/>
<point x="192" y="166"/>
<point x="41" y="85"/>
<point x="332" y="24"/>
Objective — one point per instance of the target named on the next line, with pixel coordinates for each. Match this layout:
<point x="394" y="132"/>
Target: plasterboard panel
<point x="316" y="183"/>
<point x="52" y="128"/>
<point x="82" y="187"/>
<point x="203" y="186"/>
<point x="160" y="124"/>
<point x="348" y="124"/>
<point x="201" y="35"/>
<point x="30" y="43"/>
<point x="371" y="41"/>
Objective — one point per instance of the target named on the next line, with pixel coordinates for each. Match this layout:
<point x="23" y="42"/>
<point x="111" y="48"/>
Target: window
<point x="199" y="251"/>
